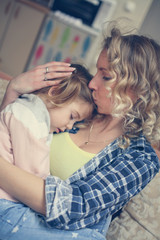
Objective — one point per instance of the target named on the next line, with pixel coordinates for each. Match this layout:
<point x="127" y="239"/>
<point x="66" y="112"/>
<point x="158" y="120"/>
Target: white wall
<point x="151" y="24"/>
<point x="135" y="10"/>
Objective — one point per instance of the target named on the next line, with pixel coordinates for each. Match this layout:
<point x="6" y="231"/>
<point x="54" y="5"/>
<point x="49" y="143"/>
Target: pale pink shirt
<point x="24" y="136"/>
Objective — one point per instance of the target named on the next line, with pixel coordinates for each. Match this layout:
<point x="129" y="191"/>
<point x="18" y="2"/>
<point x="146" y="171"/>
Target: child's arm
<point x="23" y="140"/>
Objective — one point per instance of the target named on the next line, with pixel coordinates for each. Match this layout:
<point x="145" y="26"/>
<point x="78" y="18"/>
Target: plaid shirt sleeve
<point x="102" y="187"/>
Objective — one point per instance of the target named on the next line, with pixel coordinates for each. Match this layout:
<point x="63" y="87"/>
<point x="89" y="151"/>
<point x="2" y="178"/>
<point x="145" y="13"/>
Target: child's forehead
<point x="86" y="111"/>
<point x="81" y="105"/>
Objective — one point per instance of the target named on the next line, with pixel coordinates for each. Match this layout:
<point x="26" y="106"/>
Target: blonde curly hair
<point x="134" y="62"/>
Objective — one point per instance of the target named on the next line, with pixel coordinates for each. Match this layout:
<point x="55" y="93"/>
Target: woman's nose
<point x="92" y="83"/>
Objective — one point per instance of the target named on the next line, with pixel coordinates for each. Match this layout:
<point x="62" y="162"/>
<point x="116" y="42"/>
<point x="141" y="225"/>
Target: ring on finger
<point x="47" y="70"/>
<point x="45" y="78"/>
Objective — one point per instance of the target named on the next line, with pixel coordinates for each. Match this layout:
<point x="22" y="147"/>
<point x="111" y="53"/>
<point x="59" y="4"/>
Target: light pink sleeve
<point x="19" y="146"/>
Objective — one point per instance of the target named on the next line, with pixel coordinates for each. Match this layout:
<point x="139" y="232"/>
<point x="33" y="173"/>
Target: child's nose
<point x="69" y="126"/>
<point x="63" y="129"/>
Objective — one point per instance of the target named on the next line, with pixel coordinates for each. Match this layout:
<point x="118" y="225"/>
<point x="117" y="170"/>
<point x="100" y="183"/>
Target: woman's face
<point x="98" y="84"/>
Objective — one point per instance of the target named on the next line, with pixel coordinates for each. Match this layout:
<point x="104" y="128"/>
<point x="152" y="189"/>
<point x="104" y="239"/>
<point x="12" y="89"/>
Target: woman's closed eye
<point x="107" y="78"/>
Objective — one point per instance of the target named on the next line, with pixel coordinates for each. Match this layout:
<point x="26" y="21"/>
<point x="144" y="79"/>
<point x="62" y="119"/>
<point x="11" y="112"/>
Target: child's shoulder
<point x="28" y="106"/>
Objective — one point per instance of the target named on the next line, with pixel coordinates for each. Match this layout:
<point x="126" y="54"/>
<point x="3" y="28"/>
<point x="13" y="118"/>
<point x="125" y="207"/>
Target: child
<point x="27" y="124"/>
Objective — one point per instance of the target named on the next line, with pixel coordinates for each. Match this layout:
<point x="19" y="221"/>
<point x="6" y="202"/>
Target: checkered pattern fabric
<point x="101" y="187"/>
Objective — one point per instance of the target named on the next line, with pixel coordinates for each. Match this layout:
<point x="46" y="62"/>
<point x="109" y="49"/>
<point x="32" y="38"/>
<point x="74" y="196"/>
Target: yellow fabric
<point x="66" y="157"/>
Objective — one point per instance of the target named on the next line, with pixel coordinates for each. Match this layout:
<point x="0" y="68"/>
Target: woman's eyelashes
<point x="106" y="78"/>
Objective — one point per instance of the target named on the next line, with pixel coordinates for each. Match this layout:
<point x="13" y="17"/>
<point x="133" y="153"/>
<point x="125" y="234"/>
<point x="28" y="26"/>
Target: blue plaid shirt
<point x="102" y="186"/>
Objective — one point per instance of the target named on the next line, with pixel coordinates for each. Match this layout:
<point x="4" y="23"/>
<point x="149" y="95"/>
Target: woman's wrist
<point x="10" y="96"/>
<point x="11" y="91"/>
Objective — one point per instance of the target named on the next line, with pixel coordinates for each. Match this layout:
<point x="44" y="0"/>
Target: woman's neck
<point x="109" y="125"/>
<point x="99" y="134"/>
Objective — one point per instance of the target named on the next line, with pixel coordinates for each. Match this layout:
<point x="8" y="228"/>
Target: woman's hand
<point x="41" y="76"/>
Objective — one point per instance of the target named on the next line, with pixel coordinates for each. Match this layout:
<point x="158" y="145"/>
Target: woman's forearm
<point x="5" y="76"/>
<point x="9" y="97"/>
<point x="23" y="186"/>
<point x="34" y="79"/>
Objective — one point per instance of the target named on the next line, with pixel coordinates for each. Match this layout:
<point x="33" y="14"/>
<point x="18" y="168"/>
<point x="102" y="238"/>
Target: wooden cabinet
<point x="24" y="24"/>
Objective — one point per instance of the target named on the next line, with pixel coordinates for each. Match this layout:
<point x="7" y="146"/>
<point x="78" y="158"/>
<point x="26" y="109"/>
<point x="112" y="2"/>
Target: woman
<point x="126" y="89"/>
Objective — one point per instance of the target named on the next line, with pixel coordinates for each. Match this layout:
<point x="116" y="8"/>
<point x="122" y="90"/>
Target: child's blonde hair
<point x="70" y="88"/>
<point x="135" y="66"/>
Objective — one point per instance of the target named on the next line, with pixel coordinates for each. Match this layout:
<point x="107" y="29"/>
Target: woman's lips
<point x="94" y="99"/>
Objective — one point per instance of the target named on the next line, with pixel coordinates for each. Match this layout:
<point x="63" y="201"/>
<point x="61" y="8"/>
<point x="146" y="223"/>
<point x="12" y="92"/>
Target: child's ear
<point x="51" y="90"/>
